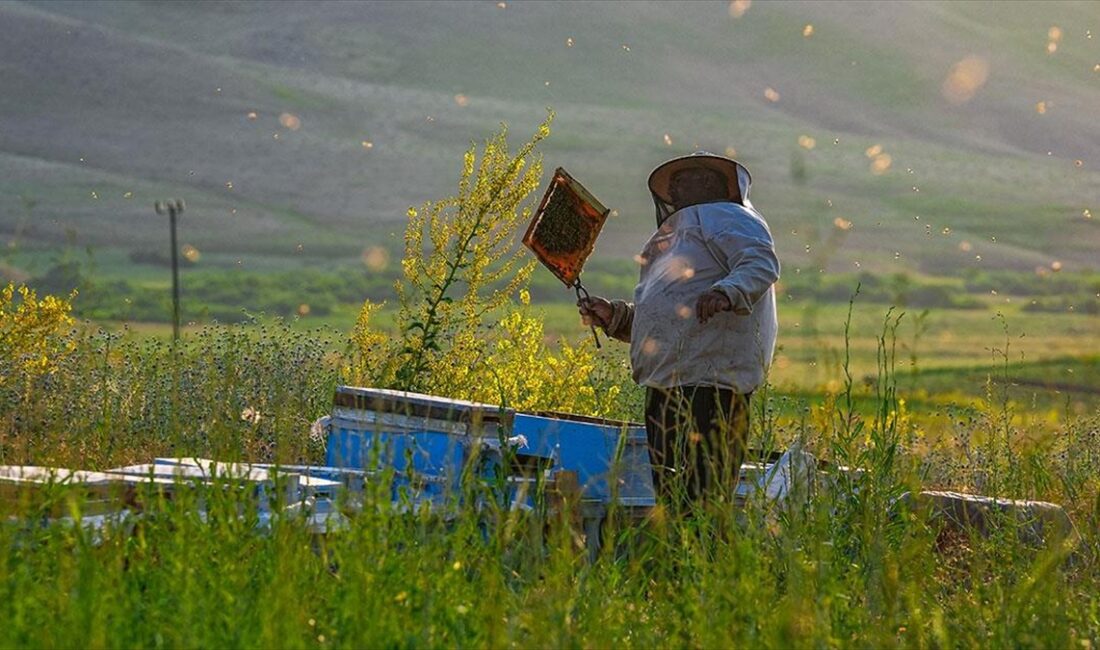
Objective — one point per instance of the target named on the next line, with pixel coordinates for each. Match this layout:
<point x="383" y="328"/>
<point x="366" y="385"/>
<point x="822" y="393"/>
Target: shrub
<point x="33" y="335"/>
<point x="462" y="332"/>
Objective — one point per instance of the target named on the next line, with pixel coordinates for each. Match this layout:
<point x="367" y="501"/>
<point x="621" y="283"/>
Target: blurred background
<point x="945" y="156"/>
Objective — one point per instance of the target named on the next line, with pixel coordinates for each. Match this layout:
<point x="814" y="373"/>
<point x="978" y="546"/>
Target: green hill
<point x="109" y="106"/>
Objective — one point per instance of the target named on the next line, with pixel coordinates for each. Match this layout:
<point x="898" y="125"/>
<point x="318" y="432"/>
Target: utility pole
<point x="173" y="207"/>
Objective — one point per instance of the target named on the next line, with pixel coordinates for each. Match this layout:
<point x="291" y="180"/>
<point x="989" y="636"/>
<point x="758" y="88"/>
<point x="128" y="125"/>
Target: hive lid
<point x="383" y="400"/>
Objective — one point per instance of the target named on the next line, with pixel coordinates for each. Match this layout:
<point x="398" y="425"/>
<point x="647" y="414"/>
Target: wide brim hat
<point x="737" y="176"/>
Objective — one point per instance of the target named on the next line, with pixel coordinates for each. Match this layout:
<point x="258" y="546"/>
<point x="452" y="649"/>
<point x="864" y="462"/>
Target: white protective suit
<point x="725" y="246"/>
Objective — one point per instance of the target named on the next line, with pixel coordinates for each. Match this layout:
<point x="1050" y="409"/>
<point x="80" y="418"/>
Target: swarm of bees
<point x="562" y="229"/>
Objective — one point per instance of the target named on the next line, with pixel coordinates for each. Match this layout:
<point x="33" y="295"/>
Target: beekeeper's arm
<point x="746" y="247"/>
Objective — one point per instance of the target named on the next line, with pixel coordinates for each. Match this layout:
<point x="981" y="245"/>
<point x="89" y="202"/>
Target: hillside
<point x="109" y="106"/>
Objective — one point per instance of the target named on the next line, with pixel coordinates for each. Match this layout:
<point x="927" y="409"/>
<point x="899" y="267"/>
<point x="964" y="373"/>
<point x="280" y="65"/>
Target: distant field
<point x="957" y="344"/>
<point x="958" y="327"/>
<point x="959" y="354"/>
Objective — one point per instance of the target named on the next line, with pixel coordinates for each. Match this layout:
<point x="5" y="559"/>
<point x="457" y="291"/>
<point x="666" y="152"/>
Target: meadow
<point x="983" y="396"/>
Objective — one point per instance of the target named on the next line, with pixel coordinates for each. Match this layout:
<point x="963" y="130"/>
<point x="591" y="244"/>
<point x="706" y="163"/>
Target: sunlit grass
<point x="836" y="572"/>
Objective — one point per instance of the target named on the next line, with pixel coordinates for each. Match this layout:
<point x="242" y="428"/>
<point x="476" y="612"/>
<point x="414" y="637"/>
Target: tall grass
<point x="837" y="569"/>
<point x="237" y="391"/>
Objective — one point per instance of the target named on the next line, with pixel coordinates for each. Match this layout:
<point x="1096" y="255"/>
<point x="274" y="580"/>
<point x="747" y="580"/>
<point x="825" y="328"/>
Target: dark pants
<point x="697" y="437"/>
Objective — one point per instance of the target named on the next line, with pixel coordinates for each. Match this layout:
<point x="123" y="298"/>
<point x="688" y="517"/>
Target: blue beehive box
<point x="610" y="458"/>
<point x="425" y="440"/>
<point x="428" y="440"/>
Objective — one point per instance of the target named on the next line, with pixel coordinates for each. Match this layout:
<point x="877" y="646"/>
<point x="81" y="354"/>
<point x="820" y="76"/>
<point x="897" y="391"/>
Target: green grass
<point x="837" y="572"/>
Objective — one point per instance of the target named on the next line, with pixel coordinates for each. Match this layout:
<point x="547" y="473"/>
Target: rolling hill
<point x="934" y="136"/>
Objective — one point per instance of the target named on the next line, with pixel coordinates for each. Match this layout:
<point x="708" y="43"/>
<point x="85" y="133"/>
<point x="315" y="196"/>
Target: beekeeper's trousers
<point x="697" y="437"/>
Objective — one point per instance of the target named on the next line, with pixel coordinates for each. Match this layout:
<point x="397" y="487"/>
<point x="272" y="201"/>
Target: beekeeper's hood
<point x="737" y="177"/>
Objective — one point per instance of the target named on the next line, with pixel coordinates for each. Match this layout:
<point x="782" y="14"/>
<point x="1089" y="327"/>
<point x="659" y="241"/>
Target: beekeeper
<point x="702" y="324"/>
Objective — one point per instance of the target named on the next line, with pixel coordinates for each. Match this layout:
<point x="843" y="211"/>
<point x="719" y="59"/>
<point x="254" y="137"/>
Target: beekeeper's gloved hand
<point x="595" y="311"/>
<point x="710" y="303"/>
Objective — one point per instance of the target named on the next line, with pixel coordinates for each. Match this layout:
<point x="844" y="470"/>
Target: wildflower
<point x="250" y="415"/>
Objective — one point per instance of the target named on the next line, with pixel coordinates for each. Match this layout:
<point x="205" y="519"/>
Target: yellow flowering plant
<point x="34" y="333"/>
<point x="465" y="328"/>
